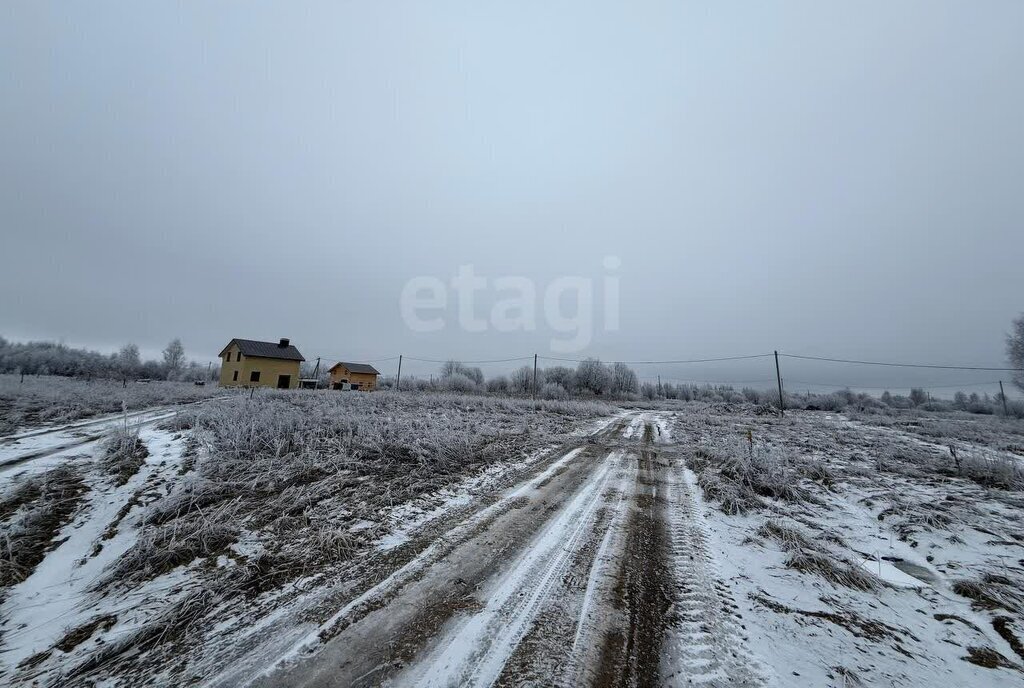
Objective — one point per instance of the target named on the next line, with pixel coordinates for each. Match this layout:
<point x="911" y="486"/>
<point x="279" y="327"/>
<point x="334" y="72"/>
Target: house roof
<point x="357" y="368"/>
<point x="257" y="349"/>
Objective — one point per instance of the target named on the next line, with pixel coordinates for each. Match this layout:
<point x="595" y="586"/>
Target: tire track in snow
<point x="704" y="644"/>
<point x="476" y="652"/>
<point x="597" y="567"/>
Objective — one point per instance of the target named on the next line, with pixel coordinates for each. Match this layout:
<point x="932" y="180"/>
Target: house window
<point x="239" y="357"/>
<point x="254" y="376"/>
<point x="235" y="378"/>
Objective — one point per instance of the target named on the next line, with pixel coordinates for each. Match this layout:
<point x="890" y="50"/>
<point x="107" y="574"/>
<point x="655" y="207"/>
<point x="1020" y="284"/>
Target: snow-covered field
<point x="319" y="539"/>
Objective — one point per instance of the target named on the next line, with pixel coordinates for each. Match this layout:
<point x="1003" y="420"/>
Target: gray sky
<point x="808" y="177"/>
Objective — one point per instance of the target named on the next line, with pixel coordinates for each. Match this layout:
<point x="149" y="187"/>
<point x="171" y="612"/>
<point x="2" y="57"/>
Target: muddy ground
<point x="567" y="580"/>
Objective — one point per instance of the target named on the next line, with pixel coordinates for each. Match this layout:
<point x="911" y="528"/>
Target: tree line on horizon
<point x="54" y="358"/>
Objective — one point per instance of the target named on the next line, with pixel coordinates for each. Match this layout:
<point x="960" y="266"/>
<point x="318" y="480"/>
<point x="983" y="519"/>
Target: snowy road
<point x="32" y="445"/>
<point x="593" y="571"/>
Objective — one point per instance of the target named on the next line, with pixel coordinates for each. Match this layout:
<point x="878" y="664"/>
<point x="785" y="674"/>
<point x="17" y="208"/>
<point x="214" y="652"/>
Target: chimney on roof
<point x="283" y="344"/>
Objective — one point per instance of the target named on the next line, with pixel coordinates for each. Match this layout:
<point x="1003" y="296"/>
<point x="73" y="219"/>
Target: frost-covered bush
<point x="498" y="385"/>
<point x="458" y="382"/>
<point x="552" y="390"/>
<point x="456" y="369"/>
<point x="561" y="375"/>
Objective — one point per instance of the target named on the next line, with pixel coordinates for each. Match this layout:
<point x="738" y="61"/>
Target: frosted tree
<point x="561" y="375"/>
<point x="624" y="380"/>
<point x="174" y="357"/>
<point x="522" y="380"/>
<point x="1015" y="350"/>
<point x="593" y="376"/>
<point x="128" y="359"/>
<point x="455" y="368"/>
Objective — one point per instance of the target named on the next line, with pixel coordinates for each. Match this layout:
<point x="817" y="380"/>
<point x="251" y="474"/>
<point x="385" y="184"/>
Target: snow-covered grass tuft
<point x="993" y="591"/>
<point x="124" y="453"/>
<point x="32" y="512"/>
<point x="808" y="557"/>
<point x="739" y="474"/>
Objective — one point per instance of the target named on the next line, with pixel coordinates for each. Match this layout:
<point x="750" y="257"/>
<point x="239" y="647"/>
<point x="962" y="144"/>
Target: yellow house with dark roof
<point x="359" y="376"/>
<point x="251" y="363"/>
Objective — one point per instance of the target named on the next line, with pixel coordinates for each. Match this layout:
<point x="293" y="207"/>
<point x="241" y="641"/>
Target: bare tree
<point x="1015" y="350"/>
<point x="522" y="380"/>
<point x="624" y="380"/>
<point x="174" y="357"/>
<point x="128" y="360"/>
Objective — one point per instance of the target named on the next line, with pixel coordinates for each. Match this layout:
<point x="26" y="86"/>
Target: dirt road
<point x="594" y="571"/>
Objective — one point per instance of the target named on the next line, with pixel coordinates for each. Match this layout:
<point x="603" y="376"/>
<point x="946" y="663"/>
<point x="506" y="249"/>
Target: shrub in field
<point x="553" y="390"/>
<point x="498" y="385"/>
<point x="561" y="375"/>
<point x="457" y="382"/>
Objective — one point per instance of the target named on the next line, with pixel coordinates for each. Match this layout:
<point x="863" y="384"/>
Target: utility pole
<point x="1003" y="395"/>
<point x="659" y="385"/>
<point x="778" y="376"/>
<point x="316" y="374"/>
<point x="398" y="382"/>
<point x="535" y="377"/>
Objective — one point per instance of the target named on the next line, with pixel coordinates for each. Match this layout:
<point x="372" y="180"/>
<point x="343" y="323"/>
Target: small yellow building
<point x="249" y="363"/>
<point x="358" y="376"/>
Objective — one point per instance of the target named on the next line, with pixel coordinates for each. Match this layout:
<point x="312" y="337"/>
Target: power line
<point x="327" y="357"/>
<point x="838" y="385"/>
<point x="459" y="360"/>
<point x="900" y="365"/>
<point x="691" y="360"/>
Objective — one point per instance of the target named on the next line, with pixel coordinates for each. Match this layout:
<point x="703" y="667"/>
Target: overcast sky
<point x="825" y="179"/>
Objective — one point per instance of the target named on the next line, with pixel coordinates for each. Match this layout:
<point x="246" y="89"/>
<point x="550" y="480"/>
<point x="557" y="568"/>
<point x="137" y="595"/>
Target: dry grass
<point x="33" y="511"/>
<point x="294" y="471"/>
<point x="123" y="454"/>
<point x="741" y="475"/>
<point x="41" y="400"/>
<point x="992" y="591"/>
<point x="808" y="557"/>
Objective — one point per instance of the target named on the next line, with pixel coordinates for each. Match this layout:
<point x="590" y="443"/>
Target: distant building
<point x="249" y="363"/>
<point x="360" y="376"/>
